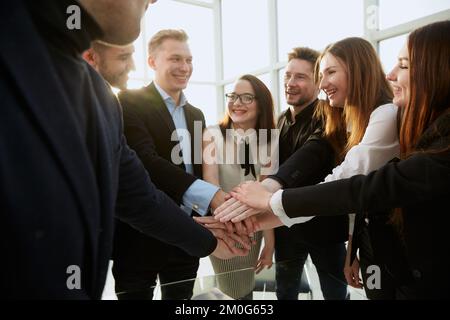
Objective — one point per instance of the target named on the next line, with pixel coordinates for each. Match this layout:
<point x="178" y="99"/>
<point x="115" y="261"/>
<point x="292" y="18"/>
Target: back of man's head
<point x="158" y="39"/>
<point x="120" y="20"/>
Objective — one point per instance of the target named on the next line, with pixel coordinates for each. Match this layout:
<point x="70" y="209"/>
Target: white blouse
<point x="378" y="146"/>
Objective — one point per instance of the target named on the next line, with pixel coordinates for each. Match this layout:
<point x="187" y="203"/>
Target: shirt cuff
<point x="199" y="195"/>
<point x="277" y="207"/>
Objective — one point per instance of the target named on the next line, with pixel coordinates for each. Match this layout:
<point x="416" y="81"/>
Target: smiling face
<point x="114" y="64"/>
<point x="299" y="86"/>
<point x="172" y="63"/>
<point x="399" y="78"/>
<point x="333" y="75"/>
<point x="244" y="116"/>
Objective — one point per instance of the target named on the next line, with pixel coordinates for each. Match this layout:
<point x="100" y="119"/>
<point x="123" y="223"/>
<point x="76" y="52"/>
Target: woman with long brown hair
<point x="415" y="189"/>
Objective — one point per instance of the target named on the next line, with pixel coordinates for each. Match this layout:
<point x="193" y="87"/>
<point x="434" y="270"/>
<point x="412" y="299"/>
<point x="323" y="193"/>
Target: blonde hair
<point x="157" y="40"/>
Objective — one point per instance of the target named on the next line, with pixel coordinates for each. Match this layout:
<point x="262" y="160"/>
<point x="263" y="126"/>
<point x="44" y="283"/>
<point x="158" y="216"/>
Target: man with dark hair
<point x="111" y="61"/>
<point x="65" y="167"/>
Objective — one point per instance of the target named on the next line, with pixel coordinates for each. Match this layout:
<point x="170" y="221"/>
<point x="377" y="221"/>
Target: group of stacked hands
<point x="238" y="218"/>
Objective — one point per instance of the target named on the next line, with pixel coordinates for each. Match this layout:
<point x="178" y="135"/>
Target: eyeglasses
<point x="246" y="98"/>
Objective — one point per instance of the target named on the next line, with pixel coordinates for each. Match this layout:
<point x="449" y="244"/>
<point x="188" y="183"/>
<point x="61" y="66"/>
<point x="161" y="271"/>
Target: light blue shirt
<point x="199" y="195"/>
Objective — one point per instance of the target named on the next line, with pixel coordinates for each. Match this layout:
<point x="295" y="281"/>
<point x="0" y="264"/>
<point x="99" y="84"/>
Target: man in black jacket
<point x="65" y="167"/>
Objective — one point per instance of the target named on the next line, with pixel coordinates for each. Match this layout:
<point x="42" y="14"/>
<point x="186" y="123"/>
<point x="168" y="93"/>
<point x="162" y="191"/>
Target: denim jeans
<point x="329" y="260"/>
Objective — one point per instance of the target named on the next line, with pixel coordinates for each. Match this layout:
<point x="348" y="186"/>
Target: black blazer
<point x="148" y="127"/>
<point x="420" y="185"/>
<point x="57" y="208"/>
<point x="309" y="165"/>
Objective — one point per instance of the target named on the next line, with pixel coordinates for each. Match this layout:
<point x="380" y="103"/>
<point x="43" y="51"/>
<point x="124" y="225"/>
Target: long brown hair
<point x="429" y="90"/>
<point x="429" y="56"/>
<point x="264" y="100"/>
<point x="367" y="90"/>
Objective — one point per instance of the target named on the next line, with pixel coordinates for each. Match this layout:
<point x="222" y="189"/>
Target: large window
<point x="198" y="24"/>
<point x="315" y="24"/>
<point x="396" y="12"/>
<point x="229" y="38"/>
<point x="245" y="40"/>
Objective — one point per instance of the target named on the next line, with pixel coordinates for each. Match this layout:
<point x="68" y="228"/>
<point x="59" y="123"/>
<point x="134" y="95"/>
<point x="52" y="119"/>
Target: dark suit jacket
<point x="57" y="201"/>
<point x="148" y="127"/>
<point x="420" y="185"/>
<point x="310" y="164"/>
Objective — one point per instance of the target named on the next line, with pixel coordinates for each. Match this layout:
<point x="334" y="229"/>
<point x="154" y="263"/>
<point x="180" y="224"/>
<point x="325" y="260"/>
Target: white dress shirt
<point x="200" y="193"/>
<point x="378" y="146"/>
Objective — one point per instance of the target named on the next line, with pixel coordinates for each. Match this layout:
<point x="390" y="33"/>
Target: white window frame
<point x="373" y="35"/>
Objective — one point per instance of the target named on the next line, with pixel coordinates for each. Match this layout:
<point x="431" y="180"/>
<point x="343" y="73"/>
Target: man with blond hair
<point x="151" y="116"/>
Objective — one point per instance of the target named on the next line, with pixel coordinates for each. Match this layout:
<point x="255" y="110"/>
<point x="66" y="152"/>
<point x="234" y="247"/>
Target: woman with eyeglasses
<point x="414" y="191"/>
<point x="231" y="155"/>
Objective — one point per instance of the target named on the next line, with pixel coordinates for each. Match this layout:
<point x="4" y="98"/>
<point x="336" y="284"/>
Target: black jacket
<point x="420" y="185"/>
<point x="309" y="165"/>
<point x="65" y="168"/>
<point x="148" y="127"/>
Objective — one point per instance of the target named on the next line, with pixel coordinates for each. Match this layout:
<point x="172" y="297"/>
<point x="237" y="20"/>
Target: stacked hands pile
<point x="245" y="211"/>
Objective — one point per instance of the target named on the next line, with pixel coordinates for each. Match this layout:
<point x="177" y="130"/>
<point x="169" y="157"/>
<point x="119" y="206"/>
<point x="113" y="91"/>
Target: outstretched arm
<point x="417" y="179"/>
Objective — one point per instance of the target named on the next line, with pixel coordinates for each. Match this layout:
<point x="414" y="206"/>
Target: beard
<point x="119" y="81"/>
<point x="300" y="101"/>
<point x="115" y="79"/>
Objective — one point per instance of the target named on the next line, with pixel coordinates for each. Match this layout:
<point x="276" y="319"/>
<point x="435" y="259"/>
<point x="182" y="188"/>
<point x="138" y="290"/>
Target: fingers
<point x="244" y="241"/>
<point x="231" y="205"/>
<point x="229" y="226"/>
<point x="352" y="276"/>
<point x="235" y="210"/>
<point x="349" y="277"/>
<point x="223" y="207"/>
<point x="220" y="234"/>
<point x="246" y="214"/>
<point x="357" y="280"/>
<point x="258" y="267"/>
<point x="250" y="225"/>
<point x="205" y="220"/>
<point x="355" y="270"/>
<point x="210" y="223"/>
<point x="228" y="232"/>
<point x="262" y="263"/>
